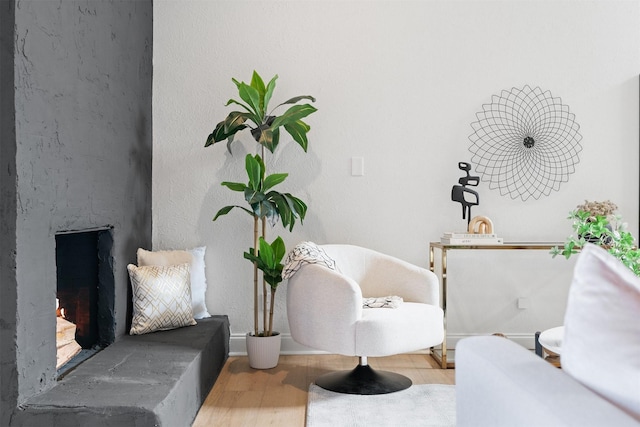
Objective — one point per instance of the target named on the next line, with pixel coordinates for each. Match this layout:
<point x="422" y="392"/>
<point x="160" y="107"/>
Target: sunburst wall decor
<point x="525" y="143"/>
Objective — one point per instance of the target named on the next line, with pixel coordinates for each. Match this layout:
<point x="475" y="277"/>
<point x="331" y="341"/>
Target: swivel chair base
<point x="363" y="380"/>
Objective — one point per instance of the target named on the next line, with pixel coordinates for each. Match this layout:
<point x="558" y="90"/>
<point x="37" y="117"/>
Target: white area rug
<point x="419" y="405"/>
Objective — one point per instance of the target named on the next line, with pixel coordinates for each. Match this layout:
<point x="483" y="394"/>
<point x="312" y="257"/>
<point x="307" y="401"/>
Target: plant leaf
<point x="251" y="96"/>
<point x="298" y="131"/>
<point x="234" y="186"/>
<point x="269" y="138"/>
<point x="223" y="211"/>
<point x="269" y="91"/>
<point x="255" y="171"/>
<point x="293" y="114"/>
<point x="279" y="249"/>
<point x="297" y="99"/>
<point x="220" y="133"/>
<point x="273" y="180"/>
<point x="234" y="120"/>
<point x="266" y="253"/>
<point x="258" y="84"/>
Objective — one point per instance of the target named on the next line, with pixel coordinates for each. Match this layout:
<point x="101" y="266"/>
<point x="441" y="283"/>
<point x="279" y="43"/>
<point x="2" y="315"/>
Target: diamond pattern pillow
<point x="161" y="298"/>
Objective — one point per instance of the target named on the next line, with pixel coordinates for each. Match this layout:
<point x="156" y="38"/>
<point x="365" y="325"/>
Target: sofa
<point x="500" y="383"/>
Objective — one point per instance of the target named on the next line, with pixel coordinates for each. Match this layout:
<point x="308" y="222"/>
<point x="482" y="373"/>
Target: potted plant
<point x="598" y="223"/>
<point x="265" y="203"/>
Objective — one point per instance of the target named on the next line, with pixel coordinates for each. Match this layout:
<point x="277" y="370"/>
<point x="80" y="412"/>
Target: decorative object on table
<point x="264" y="202"/>
<point x="463" y="195"/>
<point x="525" y="143"/>
<point x="481" y="225"/>
<point x="480" y="232"/>
<point x="598" y="223"/>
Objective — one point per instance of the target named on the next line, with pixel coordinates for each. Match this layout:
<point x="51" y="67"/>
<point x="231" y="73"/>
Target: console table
<point x="440" y="355"/>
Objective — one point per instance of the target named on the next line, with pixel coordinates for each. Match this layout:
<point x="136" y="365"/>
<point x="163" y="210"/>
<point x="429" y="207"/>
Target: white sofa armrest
<point x="500" y="383"/>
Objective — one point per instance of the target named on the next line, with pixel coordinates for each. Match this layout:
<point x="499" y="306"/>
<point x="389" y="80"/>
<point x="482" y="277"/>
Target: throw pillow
<point x="198" y="279"/>
<point x="601" y="329"/>
<point x="161" y="298"/>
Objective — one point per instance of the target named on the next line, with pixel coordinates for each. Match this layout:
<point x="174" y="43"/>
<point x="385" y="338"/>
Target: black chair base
<point x="363" y="380"/>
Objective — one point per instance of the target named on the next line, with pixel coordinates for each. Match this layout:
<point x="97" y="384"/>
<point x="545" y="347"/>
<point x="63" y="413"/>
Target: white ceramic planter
<point x="263" y="352"/>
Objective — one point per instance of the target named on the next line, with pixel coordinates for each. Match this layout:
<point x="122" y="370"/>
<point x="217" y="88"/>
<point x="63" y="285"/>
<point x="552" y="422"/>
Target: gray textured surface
<point x="160" y="378"/>
<point x="76" y="154"/>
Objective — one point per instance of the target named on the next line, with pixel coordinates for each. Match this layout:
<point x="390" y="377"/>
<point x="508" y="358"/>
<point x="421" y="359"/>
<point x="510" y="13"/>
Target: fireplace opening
<point x="84" y="296"/>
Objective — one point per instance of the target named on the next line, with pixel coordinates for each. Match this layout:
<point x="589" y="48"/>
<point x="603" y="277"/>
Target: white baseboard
<point x="237" y="345"/>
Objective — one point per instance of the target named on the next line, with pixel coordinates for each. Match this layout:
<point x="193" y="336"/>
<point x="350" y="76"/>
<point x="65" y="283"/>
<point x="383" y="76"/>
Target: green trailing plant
<point x="269" y="261"/>
<point x="264" y="202"/>
<point x="597" y="223"/>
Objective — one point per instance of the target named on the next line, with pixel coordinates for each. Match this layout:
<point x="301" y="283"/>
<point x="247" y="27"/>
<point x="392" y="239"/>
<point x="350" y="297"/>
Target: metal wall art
<point x="525" y="143"/>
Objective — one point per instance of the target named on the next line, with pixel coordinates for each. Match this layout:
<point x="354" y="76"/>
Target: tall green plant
<point x="264" y="202"/>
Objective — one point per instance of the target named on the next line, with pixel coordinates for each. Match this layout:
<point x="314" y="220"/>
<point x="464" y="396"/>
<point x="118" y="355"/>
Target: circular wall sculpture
<point x="525" y="143"/>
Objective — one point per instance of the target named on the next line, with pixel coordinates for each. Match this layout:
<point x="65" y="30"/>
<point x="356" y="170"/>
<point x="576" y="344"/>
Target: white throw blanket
<point x="392" y="301"/>
<point x="305" y="253"/>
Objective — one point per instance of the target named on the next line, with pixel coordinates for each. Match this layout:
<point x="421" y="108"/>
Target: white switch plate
<point x="523" y="303"/>
<point x="357" y="166"/>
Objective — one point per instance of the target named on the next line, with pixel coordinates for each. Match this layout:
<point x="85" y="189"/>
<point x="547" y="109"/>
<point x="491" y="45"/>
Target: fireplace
<point x="84" y="294"/>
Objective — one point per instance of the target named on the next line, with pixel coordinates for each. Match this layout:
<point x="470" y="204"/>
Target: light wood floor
<point x="278" y="397"/>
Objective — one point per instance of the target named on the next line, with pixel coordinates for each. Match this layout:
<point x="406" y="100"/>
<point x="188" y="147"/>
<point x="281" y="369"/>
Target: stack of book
<point x="450" y="238"/>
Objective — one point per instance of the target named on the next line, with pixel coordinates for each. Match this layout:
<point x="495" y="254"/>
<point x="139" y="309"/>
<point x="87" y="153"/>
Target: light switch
<point x="523" y="303"/>
<point x="357" y="166"/>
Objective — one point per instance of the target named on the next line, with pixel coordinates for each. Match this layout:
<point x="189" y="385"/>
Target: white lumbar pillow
<point x="195" y="257"/>
<point x="601" y="346"/>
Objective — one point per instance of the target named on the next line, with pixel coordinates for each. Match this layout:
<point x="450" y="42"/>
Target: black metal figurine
<point x="463" y="195"/>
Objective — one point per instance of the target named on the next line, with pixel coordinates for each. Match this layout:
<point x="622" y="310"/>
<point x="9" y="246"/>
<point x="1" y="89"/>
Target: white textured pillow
<point x="601" y="346"/>
<point x="161" y="298"/>
<point x="198" y="279"/>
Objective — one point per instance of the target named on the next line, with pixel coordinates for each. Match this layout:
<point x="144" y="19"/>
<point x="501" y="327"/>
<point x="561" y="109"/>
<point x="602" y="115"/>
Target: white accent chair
<point x="325" y="312"/>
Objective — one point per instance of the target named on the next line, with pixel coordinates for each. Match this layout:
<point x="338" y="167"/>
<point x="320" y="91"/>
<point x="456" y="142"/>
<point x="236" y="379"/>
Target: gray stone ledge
<point x="157" y="379"/>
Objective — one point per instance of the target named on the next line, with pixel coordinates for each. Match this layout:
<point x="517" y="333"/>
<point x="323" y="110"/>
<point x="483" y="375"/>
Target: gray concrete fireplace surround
<point x="75" y="133"/>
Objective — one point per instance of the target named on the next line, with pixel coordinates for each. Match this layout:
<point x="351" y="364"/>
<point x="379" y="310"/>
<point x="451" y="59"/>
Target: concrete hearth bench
<point x="157" y="379"/>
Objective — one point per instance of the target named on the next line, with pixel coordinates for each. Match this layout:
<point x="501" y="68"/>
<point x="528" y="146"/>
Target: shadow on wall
<point x="139" y="184"/>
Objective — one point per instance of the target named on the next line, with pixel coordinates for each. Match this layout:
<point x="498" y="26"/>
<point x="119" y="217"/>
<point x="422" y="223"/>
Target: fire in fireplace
<point x="84" y="292"/>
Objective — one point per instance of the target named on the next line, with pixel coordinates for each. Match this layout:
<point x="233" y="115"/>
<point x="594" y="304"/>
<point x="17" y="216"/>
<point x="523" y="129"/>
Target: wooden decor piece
<point x="480" y="225"/>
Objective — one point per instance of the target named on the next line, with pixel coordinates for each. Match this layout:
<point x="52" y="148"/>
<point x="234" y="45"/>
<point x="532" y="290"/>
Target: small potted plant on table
<point x="598" y="223"/>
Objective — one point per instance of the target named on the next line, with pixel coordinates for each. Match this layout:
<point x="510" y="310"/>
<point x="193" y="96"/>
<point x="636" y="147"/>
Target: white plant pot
<point x="263" y="351"/>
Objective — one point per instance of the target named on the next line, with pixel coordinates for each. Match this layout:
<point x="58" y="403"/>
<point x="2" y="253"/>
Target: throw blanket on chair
<point x="392" y="301"/>
<point x="306" y="253"/>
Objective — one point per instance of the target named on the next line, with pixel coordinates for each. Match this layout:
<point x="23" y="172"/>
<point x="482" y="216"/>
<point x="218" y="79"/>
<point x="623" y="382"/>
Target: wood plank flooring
<point x="278" y="397"/>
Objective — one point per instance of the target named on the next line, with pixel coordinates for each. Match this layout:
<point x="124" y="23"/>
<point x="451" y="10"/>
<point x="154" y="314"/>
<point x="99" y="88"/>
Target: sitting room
<point x="404" y="199"/>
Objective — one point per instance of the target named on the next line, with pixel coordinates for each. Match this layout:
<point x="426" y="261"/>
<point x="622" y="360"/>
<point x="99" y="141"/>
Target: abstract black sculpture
<point x="463" y="195"/>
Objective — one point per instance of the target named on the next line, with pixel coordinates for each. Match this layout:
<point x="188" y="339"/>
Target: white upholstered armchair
<point x="325" y="311"/>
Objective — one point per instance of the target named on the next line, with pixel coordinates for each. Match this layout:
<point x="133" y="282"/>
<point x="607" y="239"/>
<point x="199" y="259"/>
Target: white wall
<point x="399" y="84"/>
